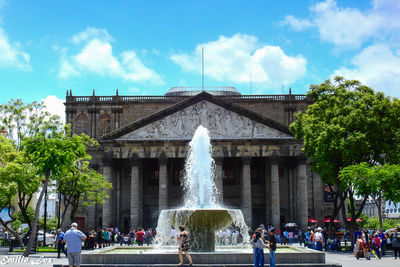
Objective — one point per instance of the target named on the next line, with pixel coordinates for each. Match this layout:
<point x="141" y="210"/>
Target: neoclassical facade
<point x="258" y="163"/>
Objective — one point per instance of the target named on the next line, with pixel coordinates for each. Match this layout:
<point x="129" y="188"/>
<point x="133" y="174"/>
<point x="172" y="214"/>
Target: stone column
<point x="275" y="199"/>
<point x="219" y="180"/>
<point x="302" y="197"/>
<point x="163" y="184"/>
<point x="118" y="199"/>
<point x="267" y="192"/>
<point x="107" y="204"/>
<point x="246" y="204"/>
<point x="135" y="192"/>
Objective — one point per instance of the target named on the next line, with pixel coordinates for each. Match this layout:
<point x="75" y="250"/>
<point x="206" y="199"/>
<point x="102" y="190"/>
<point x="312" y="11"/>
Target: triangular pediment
<point x="223" y="120"/>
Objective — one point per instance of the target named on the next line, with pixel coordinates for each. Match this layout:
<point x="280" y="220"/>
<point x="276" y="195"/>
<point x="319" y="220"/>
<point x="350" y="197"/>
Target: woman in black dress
<point x="184" y="246"/>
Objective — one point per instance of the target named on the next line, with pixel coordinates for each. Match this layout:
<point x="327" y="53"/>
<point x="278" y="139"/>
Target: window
<point x="81" y="124"/>
<point x="105" y="123"/>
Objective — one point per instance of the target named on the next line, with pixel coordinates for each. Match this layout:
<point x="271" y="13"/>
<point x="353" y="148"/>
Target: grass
<point x="39" y="249"/>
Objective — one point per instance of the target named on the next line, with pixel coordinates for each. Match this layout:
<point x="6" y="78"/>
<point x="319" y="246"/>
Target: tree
<point x="51" y="150"/>
<point x="347" y="124"/>
<point x="379" y="182"/>
<point x="8" y="186"/>
<point x="20" y="120"/>
<point x="79" y="184"/>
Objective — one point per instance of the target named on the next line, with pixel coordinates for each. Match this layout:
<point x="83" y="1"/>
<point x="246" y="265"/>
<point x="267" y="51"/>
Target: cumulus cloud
<point x="92" y="33"/>
<point x="233" y="59"/>
<point x="55" y="106"/>
<point x="12" y="55"/>
<point x="376" y="66"/>
<point x="351" y="27"/>
<point x="97" y="57"/>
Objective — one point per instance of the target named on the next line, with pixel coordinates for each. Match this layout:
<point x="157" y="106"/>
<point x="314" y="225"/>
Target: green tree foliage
<point x="21" y="120"/>
<point x="8" y="185"/>
<point x="51" y="150"/>
<point x="79" y="184"/>
<point x="347" y="124"/>
<point x="379" y="182"/>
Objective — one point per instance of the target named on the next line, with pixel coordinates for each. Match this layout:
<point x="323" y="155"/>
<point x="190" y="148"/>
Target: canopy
<point x="357" y="220"/>
<point x="310" y="220"/>
<point x="328" y="220"/>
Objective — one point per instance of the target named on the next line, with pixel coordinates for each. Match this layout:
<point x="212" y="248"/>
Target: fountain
<point x="201" y="215"/>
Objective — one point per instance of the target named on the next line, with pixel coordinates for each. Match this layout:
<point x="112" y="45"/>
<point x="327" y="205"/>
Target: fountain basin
<point x="201" y="224"/>
<point x="238" y="256"/>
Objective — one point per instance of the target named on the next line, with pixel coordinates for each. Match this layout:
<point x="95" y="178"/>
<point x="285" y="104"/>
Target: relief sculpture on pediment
<point x="222" y="124"/>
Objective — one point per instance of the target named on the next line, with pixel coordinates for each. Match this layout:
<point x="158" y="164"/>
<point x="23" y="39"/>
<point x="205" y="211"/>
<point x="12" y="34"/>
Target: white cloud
<point x="296" y="23"/>
<point x="97" y="57"/>
<point x="232" y="59"/>
<point x="55" y="106"/>
<point x="376" y="66"/>
<point x="350" y="27"/>
<point x="11" y="54"/>
<point x="92" y="33"/>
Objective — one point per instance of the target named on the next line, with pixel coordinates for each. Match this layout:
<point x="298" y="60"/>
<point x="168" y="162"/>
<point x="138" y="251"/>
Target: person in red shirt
<point x="140" y="237"/>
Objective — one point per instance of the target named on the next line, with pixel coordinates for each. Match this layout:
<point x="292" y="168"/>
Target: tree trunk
<point x="64" y="212"/>
<point x="73" y="212"/>
<point x="379" y="207"/>
<point x="34" y="226"/>
<point x="12" y="231"/>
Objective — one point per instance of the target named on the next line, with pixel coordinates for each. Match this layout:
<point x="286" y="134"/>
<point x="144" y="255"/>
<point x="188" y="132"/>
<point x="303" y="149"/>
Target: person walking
<point x="74" y="239"/>
<point x="395" y="236"/>
<point x="258" y="247"/>
<point x="184" y="246"/>
<point x="272" y="247"/>
<point x="60" y="243"/>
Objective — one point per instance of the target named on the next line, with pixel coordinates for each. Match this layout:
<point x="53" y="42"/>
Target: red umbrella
<point x="310" y="220"/>
<point x="357" y="220"/>
<point x="328" y="220"/>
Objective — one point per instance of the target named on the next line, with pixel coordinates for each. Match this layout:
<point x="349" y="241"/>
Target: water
<point x="198" y="182"/>
<point x="201" y="214"/>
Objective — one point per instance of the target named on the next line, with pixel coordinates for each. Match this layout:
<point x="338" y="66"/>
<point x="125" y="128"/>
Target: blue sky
<point x="146" y="47"/>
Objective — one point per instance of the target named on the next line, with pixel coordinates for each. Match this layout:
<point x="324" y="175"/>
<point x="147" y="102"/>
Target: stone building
<point x="259" y="165"/>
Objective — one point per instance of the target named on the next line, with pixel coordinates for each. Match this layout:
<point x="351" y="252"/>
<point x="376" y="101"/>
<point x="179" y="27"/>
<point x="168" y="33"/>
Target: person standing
<point x="319" y="239"/>
<point x="74" y="239"/>
<point x="60" y="243"/>
<point x="184" y="246"/>
<point x="377" y="245"/>
<point x="140" y="237"/>
<point x="272" y="247"/>
<point x="258" y="247"/>
<point x="395" y="235"/>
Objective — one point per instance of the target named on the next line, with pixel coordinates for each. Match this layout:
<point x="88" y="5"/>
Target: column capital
<point x="134" y="160"/>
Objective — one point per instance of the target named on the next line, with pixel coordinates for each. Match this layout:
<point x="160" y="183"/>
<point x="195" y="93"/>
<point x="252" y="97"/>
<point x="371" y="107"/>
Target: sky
<point x="146" y="47"/>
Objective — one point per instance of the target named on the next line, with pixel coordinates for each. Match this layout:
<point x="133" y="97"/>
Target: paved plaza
<point x="345" y="259"/>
